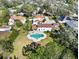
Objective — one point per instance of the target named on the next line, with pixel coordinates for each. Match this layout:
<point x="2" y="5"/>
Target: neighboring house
<point x="73" y="24"/>
<point x="45" y="27"/>
<point x="61" y="19"/>
<point x="13" y="18"/>
<point x="5" y="28"/>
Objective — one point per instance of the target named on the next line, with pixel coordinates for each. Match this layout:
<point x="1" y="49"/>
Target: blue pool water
<point x="37" y="36"/>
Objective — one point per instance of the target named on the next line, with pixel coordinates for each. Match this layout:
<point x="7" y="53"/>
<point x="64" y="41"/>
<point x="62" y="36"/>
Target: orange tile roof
<point x="47" y="25"/>
<point x="39" y="16"/>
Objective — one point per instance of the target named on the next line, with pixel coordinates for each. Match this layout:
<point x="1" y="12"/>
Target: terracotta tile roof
<point x="17" y="17"/>
<point x="39" y="16"/>
<point x="47" y="25"/>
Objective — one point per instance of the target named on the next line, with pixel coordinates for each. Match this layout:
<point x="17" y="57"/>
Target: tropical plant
<point x="7" y="46"/>
<point x="18" y="24"/>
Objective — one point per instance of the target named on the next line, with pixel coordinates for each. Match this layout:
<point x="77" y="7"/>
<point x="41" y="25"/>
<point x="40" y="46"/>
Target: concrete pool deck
<point x="34" y="39"/>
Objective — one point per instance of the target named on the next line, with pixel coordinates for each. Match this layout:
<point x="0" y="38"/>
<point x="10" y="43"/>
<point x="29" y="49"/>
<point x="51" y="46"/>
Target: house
<point x="13" y="18"/>
<point x="61" y="19"/>
<point x="42" y="23"/>
<point x="73" y="24"/>
<point x="45" y="27"/>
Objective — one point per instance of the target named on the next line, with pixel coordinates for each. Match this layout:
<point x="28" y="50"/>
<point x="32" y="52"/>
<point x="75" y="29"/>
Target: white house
<point x="46" y="27"/>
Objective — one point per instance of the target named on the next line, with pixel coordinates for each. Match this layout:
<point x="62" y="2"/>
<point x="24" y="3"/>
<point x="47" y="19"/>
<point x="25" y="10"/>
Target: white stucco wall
<point x="5" y="29"/>
<point x="44" y="29"/>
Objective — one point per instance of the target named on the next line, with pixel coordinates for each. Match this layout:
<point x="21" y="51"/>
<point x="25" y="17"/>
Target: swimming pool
<point x="37" y="35"/>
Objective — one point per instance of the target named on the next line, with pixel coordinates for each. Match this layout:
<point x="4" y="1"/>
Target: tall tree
<point x="29" y="8"/>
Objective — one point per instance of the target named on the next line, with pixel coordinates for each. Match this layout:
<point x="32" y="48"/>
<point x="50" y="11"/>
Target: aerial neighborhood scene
<point x="38" y="29"/>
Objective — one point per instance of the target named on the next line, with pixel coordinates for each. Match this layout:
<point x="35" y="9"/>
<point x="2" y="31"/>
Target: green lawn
<point x="20" y="41"/>
<point x="47" y="40"/>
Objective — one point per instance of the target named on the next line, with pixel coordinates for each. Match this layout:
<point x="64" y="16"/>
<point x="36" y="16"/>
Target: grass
<point x="45" y="41"/>
<point x="20" y="41"/>
<point x="1" y="49"/>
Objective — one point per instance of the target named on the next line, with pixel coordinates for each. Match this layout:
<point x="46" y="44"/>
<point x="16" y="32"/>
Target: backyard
<point x="20" y="41"/>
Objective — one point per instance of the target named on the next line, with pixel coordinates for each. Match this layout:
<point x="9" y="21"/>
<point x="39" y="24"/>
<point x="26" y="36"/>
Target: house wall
<point x="5" y="29"/>
<point x="44" y="29"/>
